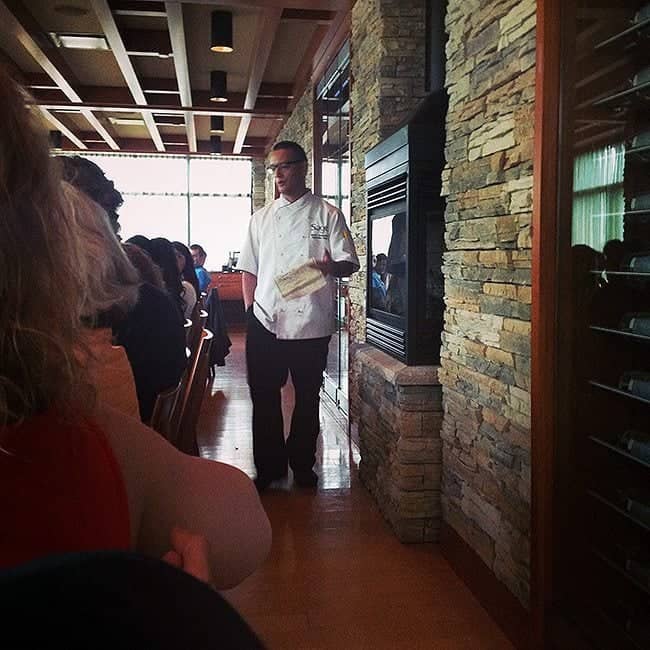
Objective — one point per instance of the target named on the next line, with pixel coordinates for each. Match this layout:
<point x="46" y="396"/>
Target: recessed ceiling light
<point x="80" y="41"/>
<point x="156" y="91"/>
<point x="126" y="121"/>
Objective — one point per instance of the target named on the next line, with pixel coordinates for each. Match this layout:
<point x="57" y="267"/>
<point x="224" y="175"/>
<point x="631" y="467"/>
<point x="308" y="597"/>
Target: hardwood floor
<point x="337" y="577"/>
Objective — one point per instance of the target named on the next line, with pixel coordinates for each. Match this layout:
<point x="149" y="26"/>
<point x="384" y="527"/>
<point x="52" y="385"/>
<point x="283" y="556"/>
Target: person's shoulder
<point x="151" y="295"/>
<point x="264" y="210"/>
<point x="325" y="205"/>
<point x="158" y="304"/>
<point x="188" y="290"/>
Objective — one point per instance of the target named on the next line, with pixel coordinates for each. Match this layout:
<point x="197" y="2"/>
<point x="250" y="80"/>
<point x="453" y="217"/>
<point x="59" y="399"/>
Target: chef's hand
<point x="324" y="265"/>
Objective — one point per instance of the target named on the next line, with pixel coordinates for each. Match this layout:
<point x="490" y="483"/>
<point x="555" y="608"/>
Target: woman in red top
<point x="76" y="475"/>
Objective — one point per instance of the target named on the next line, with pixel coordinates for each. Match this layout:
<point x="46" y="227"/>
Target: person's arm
<point x="248" y="285"/>
<point x="204" y="279"/>
<point x="328" y="266"/>
<point x="341" y="259"/>
<point x="168" y="489"/>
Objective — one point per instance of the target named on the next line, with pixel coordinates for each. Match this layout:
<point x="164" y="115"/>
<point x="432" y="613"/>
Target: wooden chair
<point x="197" y="378"/>
<point x="163" y="419"/>
<point x="199" y="319"/>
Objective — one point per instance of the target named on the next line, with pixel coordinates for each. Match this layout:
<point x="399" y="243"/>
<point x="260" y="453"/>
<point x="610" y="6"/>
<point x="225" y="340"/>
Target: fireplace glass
<point x="388" y="288"/>
<point x="405" y="286"/>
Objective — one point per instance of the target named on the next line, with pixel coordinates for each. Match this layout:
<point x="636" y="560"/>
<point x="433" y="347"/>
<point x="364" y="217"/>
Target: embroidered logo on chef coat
<point x="319" y="231"/>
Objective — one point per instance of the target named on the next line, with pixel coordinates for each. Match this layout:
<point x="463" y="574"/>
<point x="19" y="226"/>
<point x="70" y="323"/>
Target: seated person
<point x="113" y="285"/>
<point x="190" y="282"/>
<point x="377" y="282"/>
<point x="198" y="257"/>
<point x="75" y="474"/>
<point x="162" y="253"/>
<point x="152" y="330"/>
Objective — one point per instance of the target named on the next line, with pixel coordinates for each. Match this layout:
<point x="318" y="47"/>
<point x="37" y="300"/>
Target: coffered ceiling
<point x="147" y="87"/>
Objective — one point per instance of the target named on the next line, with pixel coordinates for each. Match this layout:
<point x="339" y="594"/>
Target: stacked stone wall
<point x="387" y="68"/>
<point x="401" y="450"/>
<point x="486" y="342"/>
<point x="259" y="183"/>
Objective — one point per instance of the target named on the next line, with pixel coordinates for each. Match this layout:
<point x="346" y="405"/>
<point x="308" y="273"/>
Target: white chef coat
<point x="282" y="236"/>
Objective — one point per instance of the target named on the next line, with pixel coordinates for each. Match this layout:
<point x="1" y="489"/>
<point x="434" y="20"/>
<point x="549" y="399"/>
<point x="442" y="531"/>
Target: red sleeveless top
<point x="61" y="491"/>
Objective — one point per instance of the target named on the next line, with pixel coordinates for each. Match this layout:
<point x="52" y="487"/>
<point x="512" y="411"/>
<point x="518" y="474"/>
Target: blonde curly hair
<point x="43" y="288"/>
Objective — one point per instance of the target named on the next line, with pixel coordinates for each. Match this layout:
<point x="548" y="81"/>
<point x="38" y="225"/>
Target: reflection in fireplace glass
<point x="388" y="283"/>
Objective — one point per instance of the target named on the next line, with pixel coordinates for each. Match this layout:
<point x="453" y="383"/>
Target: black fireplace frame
<point x="404" y="173"/>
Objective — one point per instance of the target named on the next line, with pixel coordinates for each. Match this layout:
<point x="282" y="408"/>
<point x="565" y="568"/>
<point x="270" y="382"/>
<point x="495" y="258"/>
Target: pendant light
<point x="215" y="144"/>
<point x="218" y="86"/>
<point x="221" y="33"/>
<point x="216" y="124"/>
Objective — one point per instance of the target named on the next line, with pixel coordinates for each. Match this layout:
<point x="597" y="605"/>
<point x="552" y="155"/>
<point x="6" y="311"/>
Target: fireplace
<point x="406" y="238"/>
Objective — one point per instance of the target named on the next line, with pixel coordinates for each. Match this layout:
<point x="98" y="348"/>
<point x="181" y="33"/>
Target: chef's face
<point x="289" y="172"/>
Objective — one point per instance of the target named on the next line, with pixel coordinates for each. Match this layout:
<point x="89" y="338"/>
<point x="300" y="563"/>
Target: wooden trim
<point x="545" y="225"/>
<point x="314" y="5"/>
<point x="147" y="109"/>
<point x="24" y="28"/>
<point x="317" y="149"/>
<point x="337" y="33"/>
<point x="494" y="596"/>
<point x="57" y="124"/>
<point x="177" y="35"/>
<point x="114" y="38"/>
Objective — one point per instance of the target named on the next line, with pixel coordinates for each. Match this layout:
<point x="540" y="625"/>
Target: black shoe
<point x="263" y="480"/>
<point x="305" y="478"/>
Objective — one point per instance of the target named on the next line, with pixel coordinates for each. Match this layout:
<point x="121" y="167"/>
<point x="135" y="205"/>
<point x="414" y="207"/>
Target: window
<point x="201" y="200"/>
<point x="598" y="201"/>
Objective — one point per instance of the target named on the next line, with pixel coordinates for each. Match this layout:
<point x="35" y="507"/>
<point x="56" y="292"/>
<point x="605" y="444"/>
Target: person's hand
<point x="189" y="552"/>
<point x="324" y="265"/>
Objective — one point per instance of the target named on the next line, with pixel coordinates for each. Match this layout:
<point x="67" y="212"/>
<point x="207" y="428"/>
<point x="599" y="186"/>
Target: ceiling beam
<point x="60" y="126"/>
<point x="321" y="5"/>
<point x="132" y="8"/>
<point x="200" y="99"/>
<point x="177" y="32"/>
<point x="174" y="138"/>
<point x="308" y="15"/>
<point x="103" y="13"/>
<point x="267" y="27"/>
<point x="27" y="32"/>
<point x="336" y="35"/>
<point x="142" y="145"/>
<point x="149" y="109"/>
<point x="163" y="86"/>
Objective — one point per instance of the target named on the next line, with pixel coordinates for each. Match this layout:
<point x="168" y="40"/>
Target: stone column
<point x="259" y="183"/>
<point x="400" y="413"/>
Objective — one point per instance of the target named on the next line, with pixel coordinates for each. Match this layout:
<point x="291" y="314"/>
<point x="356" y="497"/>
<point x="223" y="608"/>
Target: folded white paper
<point x="301" y="281"/>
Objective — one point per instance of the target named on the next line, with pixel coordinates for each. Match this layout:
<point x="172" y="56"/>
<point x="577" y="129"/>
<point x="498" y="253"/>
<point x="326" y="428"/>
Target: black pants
<point x="268" y="359"/>
<point x="113" y="600"/>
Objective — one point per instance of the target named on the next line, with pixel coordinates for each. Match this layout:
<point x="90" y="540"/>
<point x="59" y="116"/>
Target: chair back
<point x="193" y="397"/>
<point x="187" y="326"/>
<point x="163" y="419"/>
<point x="199" y="320"/>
